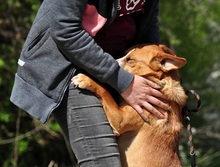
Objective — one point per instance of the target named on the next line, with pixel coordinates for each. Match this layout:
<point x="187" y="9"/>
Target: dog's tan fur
<point x="142" y="144"/>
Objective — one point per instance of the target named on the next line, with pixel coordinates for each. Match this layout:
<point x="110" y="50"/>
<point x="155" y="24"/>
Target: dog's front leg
<point x="112" y="110"/>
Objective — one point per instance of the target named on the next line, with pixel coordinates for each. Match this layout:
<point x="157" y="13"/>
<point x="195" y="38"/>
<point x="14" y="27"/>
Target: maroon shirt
<point x="116" y="38"/>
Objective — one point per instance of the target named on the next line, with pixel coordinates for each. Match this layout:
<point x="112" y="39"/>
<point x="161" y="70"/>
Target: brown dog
<point x="142" y="144"/>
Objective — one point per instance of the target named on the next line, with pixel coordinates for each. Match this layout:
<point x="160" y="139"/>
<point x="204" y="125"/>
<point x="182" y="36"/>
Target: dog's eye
<point x="163" y="62"/>
<point x="128" y="59"/>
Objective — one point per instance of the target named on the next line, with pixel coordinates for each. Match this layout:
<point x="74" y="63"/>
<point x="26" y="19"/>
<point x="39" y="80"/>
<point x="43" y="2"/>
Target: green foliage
<point x="23" y="145"/>
<point x="5" y="117"/>
<point x="54" y="127"/>
<point x="191" y="28"/>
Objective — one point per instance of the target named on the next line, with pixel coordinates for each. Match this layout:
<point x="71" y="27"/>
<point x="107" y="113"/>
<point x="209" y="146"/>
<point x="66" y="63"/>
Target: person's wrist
<point x="120" y="80"/>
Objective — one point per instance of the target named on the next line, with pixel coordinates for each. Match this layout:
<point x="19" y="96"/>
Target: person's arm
<point x="79" y="47"/>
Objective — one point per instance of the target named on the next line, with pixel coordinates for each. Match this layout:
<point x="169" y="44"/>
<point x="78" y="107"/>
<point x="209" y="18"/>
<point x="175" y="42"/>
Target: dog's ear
<point x="167" y="62"/>
<point x="166" y="49"/>
<point x="172" y="63"/>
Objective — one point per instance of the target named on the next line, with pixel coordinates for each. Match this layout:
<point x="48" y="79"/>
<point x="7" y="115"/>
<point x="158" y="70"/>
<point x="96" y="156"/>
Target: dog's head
<point x="151" y="60"/>
<point x="159" y="63"/>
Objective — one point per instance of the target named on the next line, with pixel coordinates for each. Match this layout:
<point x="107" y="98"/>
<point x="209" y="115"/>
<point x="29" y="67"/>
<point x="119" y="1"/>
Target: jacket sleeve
<point x="78" y="46"/>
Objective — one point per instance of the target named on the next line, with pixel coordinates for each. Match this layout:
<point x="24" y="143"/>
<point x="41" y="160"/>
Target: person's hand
<point x="144" y="93"/>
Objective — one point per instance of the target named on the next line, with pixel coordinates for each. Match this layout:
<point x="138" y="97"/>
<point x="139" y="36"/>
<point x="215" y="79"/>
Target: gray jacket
<point x="57" y="45"/>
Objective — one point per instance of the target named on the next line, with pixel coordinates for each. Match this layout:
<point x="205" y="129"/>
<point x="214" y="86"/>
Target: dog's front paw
<point x="81" y="81"/>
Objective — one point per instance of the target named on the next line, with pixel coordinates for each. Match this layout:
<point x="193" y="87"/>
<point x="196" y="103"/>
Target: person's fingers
<point x="149" y="91"/>
<point x="152" y="110"/>
<point x="148" y="107"/>
<point x="153" y="84"/>
<point x="152" y="88"/>
<point x="141" y="112"/>
<point x="157" y="102"/>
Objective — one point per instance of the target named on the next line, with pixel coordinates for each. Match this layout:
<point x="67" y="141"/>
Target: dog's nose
<point x="121" y="61"/>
